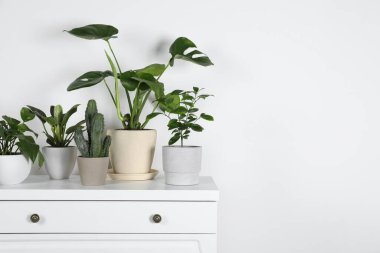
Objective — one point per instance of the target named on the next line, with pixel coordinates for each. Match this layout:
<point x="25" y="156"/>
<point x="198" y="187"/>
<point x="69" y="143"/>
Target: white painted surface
<point x="100" y="243"/>
<point x="41" y="188"/>
<point x="88" y="217"/>
<point x="295" y="145"/>
<point x="74" y="224"/>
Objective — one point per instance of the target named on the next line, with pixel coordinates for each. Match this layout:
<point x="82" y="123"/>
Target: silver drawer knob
<point x="34" y="218"/>
<point x="156" y="218"/>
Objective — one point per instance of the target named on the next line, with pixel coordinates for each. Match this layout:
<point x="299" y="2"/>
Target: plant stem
<point x="109" y="90"/>
<point x="117" y="96"/>
<point x="13" y="143"/>
<point x="135" y="101"/>
<point x="68" y="139"/>
<point x="142" y="106"/>
<point x="1" y="147"/>
<point x="147" y="120"/>
<point x="117" y="100"/>
<point x="118" y="66"/>
<point x="167" y="65"/>
<point x="117" y="63"/>
<point x="144" y="101"/>
<point x="147" y="96"/>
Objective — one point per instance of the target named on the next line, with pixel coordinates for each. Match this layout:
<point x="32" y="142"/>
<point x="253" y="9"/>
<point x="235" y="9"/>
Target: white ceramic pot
<point x="182" y="164"/>
<point x="132" y="151"/>
<point x="59" y="162"/>
<point x="14" y="169"/>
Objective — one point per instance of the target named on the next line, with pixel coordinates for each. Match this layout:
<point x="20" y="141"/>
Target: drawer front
<point x="109" y="243"/>
<point x="107" y="217"/>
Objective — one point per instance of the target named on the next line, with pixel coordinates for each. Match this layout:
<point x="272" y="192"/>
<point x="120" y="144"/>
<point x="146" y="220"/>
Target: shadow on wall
<point x="161" y="48"/>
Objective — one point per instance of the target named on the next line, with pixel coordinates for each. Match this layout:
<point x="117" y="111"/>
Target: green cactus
<point x="96" y="136"/>
<point x="91" y="111"/>
<point x="106" y="146"/>
<point x="97" y="144"/>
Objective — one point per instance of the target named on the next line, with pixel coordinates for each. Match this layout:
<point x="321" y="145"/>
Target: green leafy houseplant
<point x="60" y="135"/>
<point x="184" y="117"/>
<point x="97" y="144"/>
<point x="14" y="138"/>
<point x="138" y="84"/>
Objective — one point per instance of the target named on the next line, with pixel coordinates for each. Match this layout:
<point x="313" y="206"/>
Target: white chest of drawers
<point x="47" y="216"/>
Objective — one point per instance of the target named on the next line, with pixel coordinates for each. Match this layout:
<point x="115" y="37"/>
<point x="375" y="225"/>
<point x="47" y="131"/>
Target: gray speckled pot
<point x="59" y="162"/>
<point x="93" y="171"/>
<point x="182" y="164"/>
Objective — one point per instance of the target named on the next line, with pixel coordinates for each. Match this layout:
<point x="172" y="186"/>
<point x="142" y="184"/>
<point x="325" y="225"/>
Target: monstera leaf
<point x="95" y="32"/>
<point x="127" y="80"/>
<point x="136" y="79"/>
<point x="181" y="45"/>
<point x="153" y="69"/>
<point x="89" y="79"/>
<point x="147" y="81"/>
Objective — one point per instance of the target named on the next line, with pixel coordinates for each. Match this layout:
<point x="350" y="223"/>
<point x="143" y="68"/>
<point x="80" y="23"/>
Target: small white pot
<point x="14" y="169"/>
<point x="132" y="151"/>
<point x="182" y="164"/>
<point x="59" y="162"/>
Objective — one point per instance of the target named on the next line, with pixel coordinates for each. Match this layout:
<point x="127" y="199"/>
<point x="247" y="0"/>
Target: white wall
<point x="295" y="145"/>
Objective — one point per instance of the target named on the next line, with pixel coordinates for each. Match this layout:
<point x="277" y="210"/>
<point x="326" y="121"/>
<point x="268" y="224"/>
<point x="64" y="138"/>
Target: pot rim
<point x="132" y="130"/>
<point x="71" y="146"/>
<point x="14" y="155"/>
<point x="82" y="157"/>
<point x="184" y="146"/>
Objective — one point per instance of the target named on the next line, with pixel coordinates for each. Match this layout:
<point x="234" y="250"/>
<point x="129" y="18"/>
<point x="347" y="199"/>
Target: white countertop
<point x="40" y="187"/>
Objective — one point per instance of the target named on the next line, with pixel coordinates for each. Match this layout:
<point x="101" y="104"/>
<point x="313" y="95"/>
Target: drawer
<point x="109" y="243"/>
<point x="108" y="217"/>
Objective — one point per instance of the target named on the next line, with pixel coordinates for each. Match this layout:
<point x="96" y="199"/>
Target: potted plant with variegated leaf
<point x="133" y="146"/>
<point x="60" y="156"/>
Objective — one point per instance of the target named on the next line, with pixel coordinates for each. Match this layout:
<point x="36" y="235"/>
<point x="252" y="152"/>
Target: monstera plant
<point x="141" y="82"/>
<point x="138" y="84"/>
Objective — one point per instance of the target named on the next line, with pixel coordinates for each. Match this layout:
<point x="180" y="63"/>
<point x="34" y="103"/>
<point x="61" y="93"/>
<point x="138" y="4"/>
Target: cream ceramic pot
<point x="132" y="151"/>
<point x="14" y="169"/>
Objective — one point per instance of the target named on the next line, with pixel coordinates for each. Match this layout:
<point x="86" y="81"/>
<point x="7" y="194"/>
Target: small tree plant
<point x="184" y="116"/>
